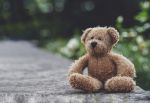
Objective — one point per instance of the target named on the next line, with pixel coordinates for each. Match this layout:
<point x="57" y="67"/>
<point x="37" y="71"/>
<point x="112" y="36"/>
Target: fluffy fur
<point x="106" y="70"/>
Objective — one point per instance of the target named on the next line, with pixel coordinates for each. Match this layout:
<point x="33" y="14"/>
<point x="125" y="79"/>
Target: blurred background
<point x="56" y="25"/>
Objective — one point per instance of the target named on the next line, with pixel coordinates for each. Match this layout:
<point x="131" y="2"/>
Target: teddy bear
<point x="106" y="70"/>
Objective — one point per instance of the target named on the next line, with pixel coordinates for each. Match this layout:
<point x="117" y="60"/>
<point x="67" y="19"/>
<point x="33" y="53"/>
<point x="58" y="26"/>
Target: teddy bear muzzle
<point x="93" y="44"/>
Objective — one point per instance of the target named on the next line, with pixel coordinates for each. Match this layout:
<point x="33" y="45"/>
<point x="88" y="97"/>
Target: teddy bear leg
<point x="120" y="84"/>
<point x="84" y="82"/>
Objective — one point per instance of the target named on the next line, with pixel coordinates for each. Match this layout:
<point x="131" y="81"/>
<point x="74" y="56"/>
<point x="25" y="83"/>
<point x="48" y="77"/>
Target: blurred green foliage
<point x="42" y="19"/>
<point x="134" y="44"/>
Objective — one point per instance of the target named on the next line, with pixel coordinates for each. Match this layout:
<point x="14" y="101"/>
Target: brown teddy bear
<point x="106" y="70"/>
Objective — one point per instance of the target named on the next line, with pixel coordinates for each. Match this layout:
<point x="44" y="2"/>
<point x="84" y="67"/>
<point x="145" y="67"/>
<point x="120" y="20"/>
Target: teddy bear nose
<point x="93" y="44"/>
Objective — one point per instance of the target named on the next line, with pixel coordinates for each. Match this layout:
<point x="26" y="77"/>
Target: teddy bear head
<point x="99" y="41"/>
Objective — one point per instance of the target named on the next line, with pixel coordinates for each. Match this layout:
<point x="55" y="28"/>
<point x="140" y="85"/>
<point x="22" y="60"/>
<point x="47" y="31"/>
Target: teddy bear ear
<point x="114" y="34"/>
<point x="85" y="33"/>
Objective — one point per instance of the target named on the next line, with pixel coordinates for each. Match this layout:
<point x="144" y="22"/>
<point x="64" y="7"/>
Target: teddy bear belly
<point x="102" y="73"/>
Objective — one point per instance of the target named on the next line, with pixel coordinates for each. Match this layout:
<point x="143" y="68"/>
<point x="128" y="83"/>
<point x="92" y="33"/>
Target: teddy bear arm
<point x="79" y="65"/>
<point x="124" y="66"/>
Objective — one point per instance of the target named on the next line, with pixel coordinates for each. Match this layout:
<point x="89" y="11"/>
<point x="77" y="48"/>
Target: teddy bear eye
<point x="92" y="37"/>
<point x="99" y="39"/>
